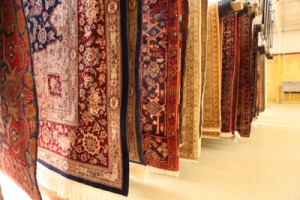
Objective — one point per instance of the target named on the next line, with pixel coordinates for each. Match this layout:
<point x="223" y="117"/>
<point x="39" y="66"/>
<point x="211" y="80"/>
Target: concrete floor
<point x="264" y="167"/>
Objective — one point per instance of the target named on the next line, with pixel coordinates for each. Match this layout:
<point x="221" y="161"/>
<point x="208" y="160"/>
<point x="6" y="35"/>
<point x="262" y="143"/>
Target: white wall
<point x="286" y="42"/>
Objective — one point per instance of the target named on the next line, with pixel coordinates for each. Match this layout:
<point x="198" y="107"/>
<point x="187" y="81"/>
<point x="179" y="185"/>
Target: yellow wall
<point x="282" y="68"/>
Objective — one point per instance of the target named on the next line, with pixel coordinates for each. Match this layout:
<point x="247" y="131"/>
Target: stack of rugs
<point x="87" y="87"/>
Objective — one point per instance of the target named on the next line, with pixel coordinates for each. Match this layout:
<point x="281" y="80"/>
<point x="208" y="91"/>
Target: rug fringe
<point x="68" y="189"/>
<point x="155" y="170"/>
<point x="228" y="135"/>
<point x="138" y="172"/>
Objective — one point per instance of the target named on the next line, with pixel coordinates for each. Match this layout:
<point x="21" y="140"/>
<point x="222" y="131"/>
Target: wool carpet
<point x="228" y="71"/>
<point x="245" y="106"/>
<point x="18" y="106"/>
<point x="134" y="137"/>
<point x="236" y="81"/>
<point x="192" y="86"/>
<point x="212" y="91"/>
<point x="79" y="57"/>
<point x="254" y="70"/>
<point x="184" y="34"/>
<point x="159" y="82"/>
<point x="262" y="75"/>
<point x="204" y="7"/>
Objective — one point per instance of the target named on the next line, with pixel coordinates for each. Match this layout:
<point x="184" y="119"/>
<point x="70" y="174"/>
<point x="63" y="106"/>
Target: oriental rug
<point x="79" y="57"/>
<point x="192" y="86"/>
<point x="228" y="71"/>
<point x="134" y="137"/>
<point x="236" y="80"/>
<point x="18" y="106"/>
<point x="212" y="91"/>
<point x="258" y="85"/>
<point x="184" y="34"/>
<point x="204" y="7"/>
<point x="245" y="106"/>
<point x="254" y="70"/>
<point x="262" y="75"/>
<point x="159" y="82"/>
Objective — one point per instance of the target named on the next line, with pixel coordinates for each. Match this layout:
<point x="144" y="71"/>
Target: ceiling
<point x="288" y="13"/>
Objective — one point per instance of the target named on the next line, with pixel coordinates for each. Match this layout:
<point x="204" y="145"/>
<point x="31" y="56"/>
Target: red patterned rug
<point x="159" y="81"/>
<point x="254" y="70"/>
<point x="236" y="80"/>
<point x="18" y="108"/>
<point x="245" y="103"/>
<point x="228" y="71"/>
<point x="77" y="55"/>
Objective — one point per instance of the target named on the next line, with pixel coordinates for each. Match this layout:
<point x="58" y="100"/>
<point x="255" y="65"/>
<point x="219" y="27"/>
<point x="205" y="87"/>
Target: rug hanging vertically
<point x="258" y="85"/>
<point x="159" y="81"/>
<point x="212" y="91"/>
<point x="192" y="86"/>
<point x="78" y="54"/>
<point x="254" y="70"/>
<point x="262" y="75"/>
<point x="184" y="34"/>
<point x="236" y="81"/>
<point x="260" y="82"/>
<point x="228" y="71"/>
<point x="18" y="107"/>
<point x="134" y="137"/>
<point x="204" y="7"/>
<point x="245" y="106"/>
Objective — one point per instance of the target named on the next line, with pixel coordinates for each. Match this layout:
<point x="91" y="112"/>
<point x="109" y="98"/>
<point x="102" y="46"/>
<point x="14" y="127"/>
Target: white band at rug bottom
<point x="69" y="189"/>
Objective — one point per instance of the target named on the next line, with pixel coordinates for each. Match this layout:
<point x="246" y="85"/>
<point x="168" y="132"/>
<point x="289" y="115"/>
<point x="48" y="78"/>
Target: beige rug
<point x="192" y="86"/>
<point x="204" y="6"/>
<point x="212" y="91"/>
<point x="132" y="131"/>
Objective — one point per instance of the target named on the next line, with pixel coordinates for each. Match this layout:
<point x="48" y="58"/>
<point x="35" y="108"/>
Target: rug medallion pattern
<point x="77" y="58"/>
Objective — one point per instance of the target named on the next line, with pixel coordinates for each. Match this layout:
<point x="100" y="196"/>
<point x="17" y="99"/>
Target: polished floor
<point x="264" y="167"/>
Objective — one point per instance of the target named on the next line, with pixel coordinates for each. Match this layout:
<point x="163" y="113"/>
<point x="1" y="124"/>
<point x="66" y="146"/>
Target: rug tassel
<point x="155" y="170"/>
<point x="226" y="135"/>
<point x="138" y="172"/>
<point x="68" y="189"/>
<point x="236" y="136"/>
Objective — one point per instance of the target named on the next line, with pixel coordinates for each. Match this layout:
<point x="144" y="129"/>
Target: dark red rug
<point x="245" y="82"/>
<point x="81" y="63"/>
<point x="159" y="75"/>
<point x="228" y="71"/>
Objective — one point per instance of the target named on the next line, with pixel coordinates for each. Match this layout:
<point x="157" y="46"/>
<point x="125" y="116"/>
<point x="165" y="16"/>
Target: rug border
<point x="123" y="114"/>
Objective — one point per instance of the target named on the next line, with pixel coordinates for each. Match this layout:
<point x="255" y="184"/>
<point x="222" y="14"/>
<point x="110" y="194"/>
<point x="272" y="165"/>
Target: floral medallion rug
<point x="80" y="67"/>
